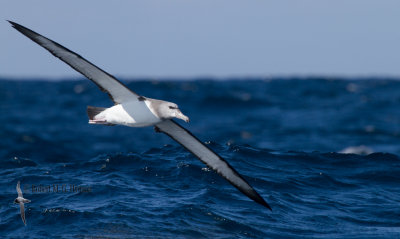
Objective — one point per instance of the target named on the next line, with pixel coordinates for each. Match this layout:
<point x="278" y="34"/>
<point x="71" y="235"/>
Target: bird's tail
<point x="92" y="112"/>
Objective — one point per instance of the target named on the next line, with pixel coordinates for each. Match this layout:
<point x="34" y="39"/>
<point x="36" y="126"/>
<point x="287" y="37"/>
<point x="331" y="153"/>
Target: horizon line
<point x="210" y="77"/>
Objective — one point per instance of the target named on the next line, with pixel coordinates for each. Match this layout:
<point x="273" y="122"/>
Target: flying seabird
<point x="134" y="110"/>
<point x="21" y="200"/>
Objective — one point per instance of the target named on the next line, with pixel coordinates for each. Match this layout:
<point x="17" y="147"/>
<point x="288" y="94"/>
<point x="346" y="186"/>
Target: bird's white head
<point x="169" y="110"/>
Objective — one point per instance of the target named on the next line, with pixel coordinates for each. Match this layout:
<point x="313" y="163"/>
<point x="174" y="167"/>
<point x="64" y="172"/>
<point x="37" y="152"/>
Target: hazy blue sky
<point x="222" y="38"/>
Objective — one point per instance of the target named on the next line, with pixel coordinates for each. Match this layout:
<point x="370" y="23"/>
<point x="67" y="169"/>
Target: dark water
<point x="282" y="135"/>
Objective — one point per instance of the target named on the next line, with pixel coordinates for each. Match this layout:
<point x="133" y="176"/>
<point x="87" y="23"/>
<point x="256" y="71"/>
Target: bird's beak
<point x="181" y="116"/>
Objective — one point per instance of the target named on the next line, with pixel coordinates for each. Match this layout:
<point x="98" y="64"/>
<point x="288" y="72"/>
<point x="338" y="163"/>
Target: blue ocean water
<point x="297" y="141"/>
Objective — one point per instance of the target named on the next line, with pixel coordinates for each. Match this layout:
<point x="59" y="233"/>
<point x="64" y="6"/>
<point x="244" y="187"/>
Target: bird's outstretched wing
<point x="117" y="91"/>
<point x="22" y="209"/>
<point x="210" y="158"/>
<point x="19" y="190"/>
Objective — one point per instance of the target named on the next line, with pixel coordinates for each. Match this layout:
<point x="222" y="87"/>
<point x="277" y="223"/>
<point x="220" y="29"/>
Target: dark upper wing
<point x="22" y="211"/>
<point x="106" y="82"/>
<point x="19" y="190"/>
<point x="210" y="158"/>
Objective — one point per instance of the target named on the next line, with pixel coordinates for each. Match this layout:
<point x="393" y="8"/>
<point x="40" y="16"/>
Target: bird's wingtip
<point x="261" y="201"/>
<point x="15" y="25"/>
<point x="258" y="199"/>
<point x="265" y="204"/>
<point x="11" y="22"/>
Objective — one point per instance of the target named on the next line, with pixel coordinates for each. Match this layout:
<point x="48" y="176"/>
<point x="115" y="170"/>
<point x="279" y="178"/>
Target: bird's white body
<point x="22" y="200"/>
<point x="133" y="114"/>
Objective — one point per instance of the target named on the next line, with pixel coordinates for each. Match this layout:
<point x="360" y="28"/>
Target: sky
<point x="207" y="38"/>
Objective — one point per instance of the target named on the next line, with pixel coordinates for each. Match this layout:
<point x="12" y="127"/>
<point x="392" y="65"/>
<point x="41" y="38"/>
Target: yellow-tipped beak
<point x="181" y="116"/>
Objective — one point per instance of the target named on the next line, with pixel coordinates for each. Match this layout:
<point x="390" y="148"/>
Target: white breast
<point x="134" y="114"/>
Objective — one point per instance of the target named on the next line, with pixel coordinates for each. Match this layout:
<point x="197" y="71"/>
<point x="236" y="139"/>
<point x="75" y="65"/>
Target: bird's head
<point x="170" y="110"/>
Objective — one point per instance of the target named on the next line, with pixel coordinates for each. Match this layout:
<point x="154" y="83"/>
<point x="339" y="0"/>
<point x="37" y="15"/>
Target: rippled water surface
<point x="322" y="152"/>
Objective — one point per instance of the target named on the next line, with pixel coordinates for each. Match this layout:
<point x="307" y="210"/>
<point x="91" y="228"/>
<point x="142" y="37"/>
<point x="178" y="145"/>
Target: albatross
<point x="21" y="201"/>
<point x="134" y="110"/>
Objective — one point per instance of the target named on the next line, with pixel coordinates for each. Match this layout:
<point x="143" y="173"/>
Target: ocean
<point x="323" y="152"/>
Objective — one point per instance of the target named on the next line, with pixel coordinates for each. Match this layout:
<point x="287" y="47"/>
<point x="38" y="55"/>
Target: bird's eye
<point x="172" y="107"/>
